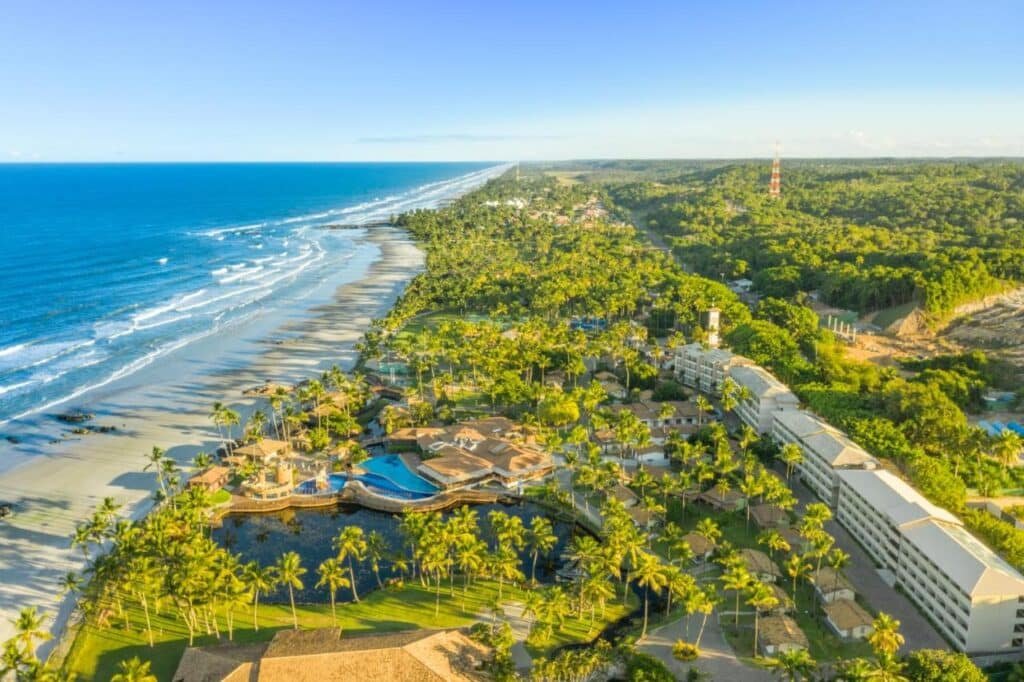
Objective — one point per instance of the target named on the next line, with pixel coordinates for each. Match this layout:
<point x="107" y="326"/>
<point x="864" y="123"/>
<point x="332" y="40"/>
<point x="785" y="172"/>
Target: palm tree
<point x="708" y="529"/>
<point x="351" y="545"/>
<point x="761" y="598"/>
<point x="541" y="539"/>
<point x="376" y="549"/>
<point x="702" y="602"/>
<point x="332" y="576"/>
<point x="703" y="407"/>
<point x="791" y="455"/>
<point x="156" y="459"/>
<point x="797" y="567"/>
<point x="773" y="541"/>
<point x="259" y="580"/>
<point x="29" y="626"/>
<point x="202" y="460"/>
<point x="650" y="574"/>
<point x="738" y="579"/>
<point x="679" y="585"/>
<point x="504" y="565"/>
<point x="1007" y="448"/>
<point x="794" y="665"/>
<point x="133" y="670"/>
<point x="289" y="572"/>
<point x="885" y="637"/>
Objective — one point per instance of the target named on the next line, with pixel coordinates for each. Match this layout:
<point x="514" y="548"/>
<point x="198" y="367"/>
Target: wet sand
<point x="57" y="485"/>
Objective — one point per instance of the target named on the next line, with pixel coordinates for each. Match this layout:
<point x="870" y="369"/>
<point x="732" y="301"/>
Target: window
<point x="1018" y="642"/>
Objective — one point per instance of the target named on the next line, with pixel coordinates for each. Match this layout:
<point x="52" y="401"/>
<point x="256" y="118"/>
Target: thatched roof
<point x="780" y="631"/>
<point x="262" y="449"/>
<point x="324" y="654"/>
<point x="769" y="515"/>
<point x="847" y="614"/>
<point x="757" y="561"/>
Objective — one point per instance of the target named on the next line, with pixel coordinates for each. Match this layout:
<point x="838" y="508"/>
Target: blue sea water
<point x="105" y="267"/>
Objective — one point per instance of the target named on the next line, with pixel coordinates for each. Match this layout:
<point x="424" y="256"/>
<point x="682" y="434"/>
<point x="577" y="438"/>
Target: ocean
<point x="105" y="268"/>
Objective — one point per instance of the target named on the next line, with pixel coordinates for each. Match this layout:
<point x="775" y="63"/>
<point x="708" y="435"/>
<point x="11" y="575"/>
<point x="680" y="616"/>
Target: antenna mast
<point x="775" y="188"/>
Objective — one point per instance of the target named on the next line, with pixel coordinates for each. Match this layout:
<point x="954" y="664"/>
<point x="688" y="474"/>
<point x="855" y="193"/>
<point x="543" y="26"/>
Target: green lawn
<point x="95" y="652"/>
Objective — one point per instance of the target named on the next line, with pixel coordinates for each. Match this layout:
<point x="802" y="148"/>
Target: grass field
<point x="95" y="653"/>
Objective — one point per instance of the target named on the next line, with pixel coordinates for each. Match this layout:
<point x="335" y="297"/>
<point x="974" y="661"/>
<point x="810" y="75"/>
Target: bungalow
<point x="627" y="497"/>
<point x="848" y="619"/>
<point x="760" y="565"/>
<point x="769" y="516"/>
<point x="211" y="480"/>
<point x="831" y="585"/>
<point x="701" y="547"/>
<point x="729" y="500"/>
<point x="643" y="518"/>
<point x="613" y="388"/>
<point x="779" y="634"/>
<point x="798" y="544"/>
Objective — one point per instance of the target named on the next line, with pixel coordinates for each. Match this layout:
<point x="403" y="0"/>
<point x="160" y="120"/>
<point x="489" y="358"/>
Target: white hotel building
<point x="825" y="450"/>
<point x="703" y="368"/>
<point x="971" y="595"/>
<point x="767" y="396"/>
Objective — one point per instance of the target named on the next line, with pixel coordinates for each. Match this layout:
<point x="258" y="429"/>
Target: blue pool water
<point x="390" y="473"/>
<point x="385" y="475"/>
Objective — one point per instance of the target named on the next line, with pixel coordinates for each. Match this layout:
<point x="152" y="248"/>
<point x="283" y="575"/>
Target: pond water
<point x="310" y="533"/>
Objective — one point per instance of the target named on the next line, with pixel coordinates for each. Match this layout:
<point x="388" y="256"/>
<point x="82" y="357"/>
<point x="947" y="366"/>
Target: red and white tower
<point x="775" y="188"/>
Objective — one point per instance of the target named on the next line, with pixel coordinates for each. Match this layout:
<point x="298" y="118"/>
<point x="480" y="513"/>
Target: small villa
<point x="211" y="480"/>
<point x="723" y="500"/>
<point x="780" y="634"/>
<point x="769" y="516"/>
<point x="701" y="547"/>
<point x="831" y="585"/>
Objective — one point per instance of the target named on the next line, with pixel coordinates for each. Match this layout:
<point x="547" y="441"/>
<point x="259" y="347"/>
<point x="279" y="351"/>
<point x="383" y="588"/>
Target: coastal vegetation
<point x="539" y="302"/>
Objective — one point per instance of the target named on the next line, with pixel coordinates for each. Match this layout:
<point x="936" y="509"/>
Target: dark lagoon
<point x="310" y="533"/>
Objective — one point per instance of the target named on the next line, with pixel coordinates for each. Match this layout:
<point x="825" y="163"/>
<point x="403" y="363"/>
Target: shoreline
<point x="56" y="485"/>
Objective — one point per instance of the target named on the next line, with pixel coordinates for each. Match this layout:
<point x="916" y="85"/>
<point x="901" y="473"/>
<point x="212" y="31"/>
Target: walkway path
<point x="717" y="658"/>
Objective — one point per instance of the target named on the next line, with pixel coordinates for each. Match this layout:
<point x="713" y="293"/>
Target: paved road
<point x="918" y="633"/>
<point x="716" y="656"/>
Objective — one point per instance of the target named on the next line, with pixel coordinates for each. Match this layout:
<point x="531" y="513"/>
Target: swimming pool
<point x="335" y="482"/>
<point x="389" y="473"/>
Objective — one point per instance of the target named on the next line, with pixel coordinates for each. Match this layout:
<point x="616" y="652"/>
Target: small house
<point x="780" y="634"/>
<point x="848" y="619"/>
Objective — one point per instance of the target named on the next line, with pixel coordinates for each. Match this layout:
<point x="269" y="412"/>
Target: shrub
<point x="685" y="651"/>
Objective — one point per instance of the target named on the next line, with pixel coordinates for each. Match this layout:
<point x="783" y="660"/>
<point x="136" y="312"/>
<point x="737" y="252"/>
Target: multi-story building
<point x="971" y="595"/>
<point x="703" y="368"/>
<point x="766" y="395"/>
<point x="825" y="450"/>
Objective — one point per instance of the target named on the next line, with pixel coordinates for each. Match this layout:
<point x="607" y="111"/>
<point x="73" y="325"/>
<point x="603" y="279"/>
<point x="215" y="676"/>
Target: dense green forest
<point x="865" y="234"/>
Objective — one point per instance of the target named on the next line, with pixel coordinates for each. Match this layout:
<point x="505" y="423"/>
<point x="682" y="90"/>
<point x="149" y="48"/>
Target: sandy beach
<point x="54" y="486"/>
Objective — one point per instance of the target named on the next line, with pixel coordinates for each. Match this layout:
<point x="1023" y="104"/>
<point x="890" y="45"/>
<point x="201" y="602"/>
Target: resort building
<point x="779" y="634"/>
<point x="263" y="452"/>
<point x="649" y="413"/>
<point x="766" y="396"/>
<point x="848" y="619"/>
<point x="463" y="454"/>
<point x="704" y="368"/>
<point x="825" y="450"/>
<point x="728" y="500"/>
<point x="971" y="595"/>
<point x="316" y="655"/>
<point x="263" y="487"/>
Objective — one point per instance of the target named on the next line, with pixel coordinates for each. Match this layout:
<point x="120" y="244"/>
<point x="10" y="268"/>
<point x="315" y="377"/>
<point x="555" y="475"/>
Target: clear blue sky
<point x="322" y="80"/>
